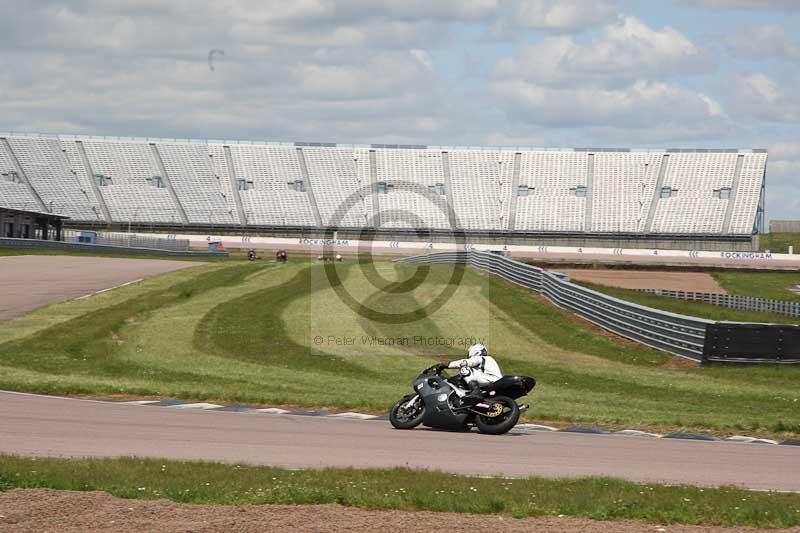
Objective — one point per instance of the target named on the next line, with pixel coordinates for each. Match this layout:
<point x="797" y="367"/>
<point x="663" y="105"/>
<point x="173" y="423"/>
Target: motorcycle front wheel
<point x="507" y="417"/>
<point x="407" y="418"/>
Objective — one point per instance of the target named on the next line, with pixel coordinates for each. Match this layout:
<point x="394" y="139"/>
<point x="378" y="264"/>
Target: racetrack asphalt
<point x="31" y="281"/>
<point x="62" y="427"/>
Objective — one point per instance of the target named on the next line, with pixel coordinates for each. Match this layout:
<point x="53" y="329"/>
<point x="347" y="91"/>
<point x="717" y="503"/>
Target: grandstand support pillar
<point x="373" y="187"/>
<point x="448" y="191"/>
<point x="651" y="213"/>
<point x="762" y="207"/>
<point x="168" y="183"/>
<point x="237" y="199"/>
<point x="512" y="208"/>
<point x="301" y="158"/>
<point x="737" y="173"/>
<point x="23" y="176"/>
<point x="587" y="217"/>
<point x="95" y="187"/>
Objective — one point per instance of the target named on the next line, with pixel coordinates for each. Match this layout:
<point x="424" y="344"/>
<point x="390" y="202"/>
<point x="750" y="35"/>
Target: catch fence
<point x="126" y="240"/>
<point x="733" y="301"/>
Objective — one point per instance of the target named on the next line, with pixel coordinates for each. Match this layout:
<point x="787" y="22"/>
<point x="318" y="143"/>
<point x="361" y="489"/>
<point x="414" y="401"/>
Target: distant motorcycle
<point x="441" y="402"/>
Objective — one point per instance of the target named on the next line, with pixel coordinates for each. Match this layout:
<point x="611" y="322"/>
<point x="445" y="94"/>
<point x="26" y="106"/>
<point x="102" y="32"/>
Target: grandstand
<point x="577" y="195"/>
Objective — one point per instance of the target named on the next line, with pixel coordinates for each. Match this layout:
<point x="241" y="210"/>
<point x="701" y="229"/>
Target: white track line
<point x="273" y="411"/>
<point x="108" y="289"/>
<point x="201" y="405"/>
<point x="360" y="416"/>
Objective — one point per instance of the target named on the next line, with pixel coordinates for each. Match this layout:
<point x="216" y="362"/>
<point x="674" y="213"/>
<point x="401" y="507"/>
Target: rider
<point x="483" y="368"/>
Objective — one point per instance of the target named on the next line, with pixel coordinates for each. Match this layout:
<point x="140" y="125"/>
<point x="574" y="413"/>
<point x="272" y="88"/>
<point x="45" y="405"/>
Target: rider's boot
<point x="474" y="395"/>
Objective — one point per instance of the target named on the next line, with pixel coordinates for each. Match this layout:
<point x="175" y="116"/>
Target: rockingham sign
<point x="352" y="245"/>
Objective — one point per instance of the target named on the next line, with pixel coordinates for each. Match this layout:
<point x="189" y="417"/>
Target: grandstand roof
<point x="370" y="145"/>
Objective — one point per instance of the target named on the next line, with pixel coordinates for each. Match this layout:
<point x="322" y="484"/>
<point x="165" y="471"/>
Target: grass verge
<point x="404" y="489"/>
<point x="772" y="285"/>
<point x="684" y="307"/>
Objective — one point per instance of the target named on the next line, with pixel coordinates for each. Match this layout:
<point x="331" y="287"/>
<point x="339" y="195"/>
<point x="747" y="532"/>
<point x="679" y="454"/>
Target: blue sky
<point x="682" y="73"/>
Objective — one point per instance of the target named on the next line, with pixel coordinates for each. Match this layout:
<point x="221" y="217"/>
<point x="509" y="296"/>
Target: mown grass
<point x="412" y="490"/>
<point x="772" y="285"/>
<point x="241" y="333"/>
<point x="684" y="307"/>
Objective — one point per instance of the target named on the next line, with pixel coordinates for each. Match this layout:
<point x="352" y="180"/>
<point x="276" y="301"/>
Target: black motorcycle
<point x="446" y="403"/>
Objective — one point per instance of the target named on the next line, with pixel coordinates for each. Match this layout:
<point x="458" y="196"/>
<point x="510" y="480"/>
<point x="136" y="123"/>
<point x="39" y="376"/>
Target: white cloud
<point x="623" y="52"/>
<point x="553" y="15"/>
<point x="615" y="85"/>
<point x="760" y="96"/>
<point x="310" y="69"/>
<point x="424" y="58"/>
<point x="783" y="179"/>
<point x="743" y="4"/>
<point x="785" y="150"/>
<point x="762" y="42"/>
<point x="354" y="70"/>
<point x="642" y="105"/>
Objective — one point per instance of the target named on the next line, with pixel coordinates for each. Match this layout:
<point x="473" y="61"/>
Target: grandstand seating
<point x="553" y="203"/>
<point x="748" y="192"/>
<point x="202" y="194"/>
<point x="622" y="190"/>
<point x="220" y="183"/>
<point x="481" y="188"/>
<point x="342" y="192"/>
<point x="693" y="208"/>
<point x="58" y="185"/>
<point x="271" y="200"/>
<point x="13" y="193"/>
<point x="129" y="190"/>
<point x="411" y="198"/>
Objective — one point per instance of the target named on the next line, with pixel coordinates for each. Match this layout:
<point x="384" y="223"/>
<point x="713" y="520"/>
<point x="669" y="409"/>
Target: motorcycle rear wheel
<point x="502" y="423"/>
<point x="407" y="419"/>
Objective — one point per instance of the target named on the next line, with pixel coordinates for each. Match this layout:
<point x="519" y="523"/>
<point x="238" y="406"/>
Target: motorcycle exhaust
<point x="523" y="408"/>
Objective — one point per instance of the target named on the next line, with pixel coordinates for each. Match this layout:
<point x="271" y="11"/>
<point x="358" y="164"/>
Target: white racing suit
<point x="485" y="370"/>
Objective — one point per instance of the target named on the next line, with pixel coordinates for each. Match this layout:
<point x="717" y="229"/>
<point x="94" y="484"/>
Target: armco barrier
<point x="670" y="332"/>
<point x="731" y="342"/>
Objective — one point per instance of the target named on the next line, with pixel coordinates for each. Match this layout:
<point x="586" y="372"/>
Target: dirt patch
<point x="649" y="279"/>
<point x="53" y="510"/>
<point x="31" y="281"/>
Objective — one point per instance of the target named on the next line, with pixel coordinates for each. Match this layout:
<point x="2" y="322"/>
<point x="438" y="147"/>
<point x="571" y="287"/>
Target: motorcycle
<point x="442" y="403"/>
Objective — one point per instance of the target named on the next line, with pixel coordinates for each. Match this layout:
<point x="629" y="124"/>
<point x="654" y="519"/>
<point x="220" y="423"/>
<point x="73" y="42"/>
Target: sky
<point x="544" y="73"/>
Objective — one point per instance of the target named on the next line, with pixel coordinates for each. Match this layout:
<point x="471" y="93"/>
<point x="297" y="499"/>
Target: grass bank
<point x="413" y="490"/>
<point x="285" y="335"/>
<point x="772" y="285"/>
<point x="684" y="307"/>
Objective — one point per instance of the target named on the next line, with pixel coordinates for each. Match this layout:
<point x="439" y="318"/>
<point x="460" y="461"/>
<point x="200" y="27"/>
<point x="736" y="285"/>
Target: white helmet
<point x="477" y="349"/>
